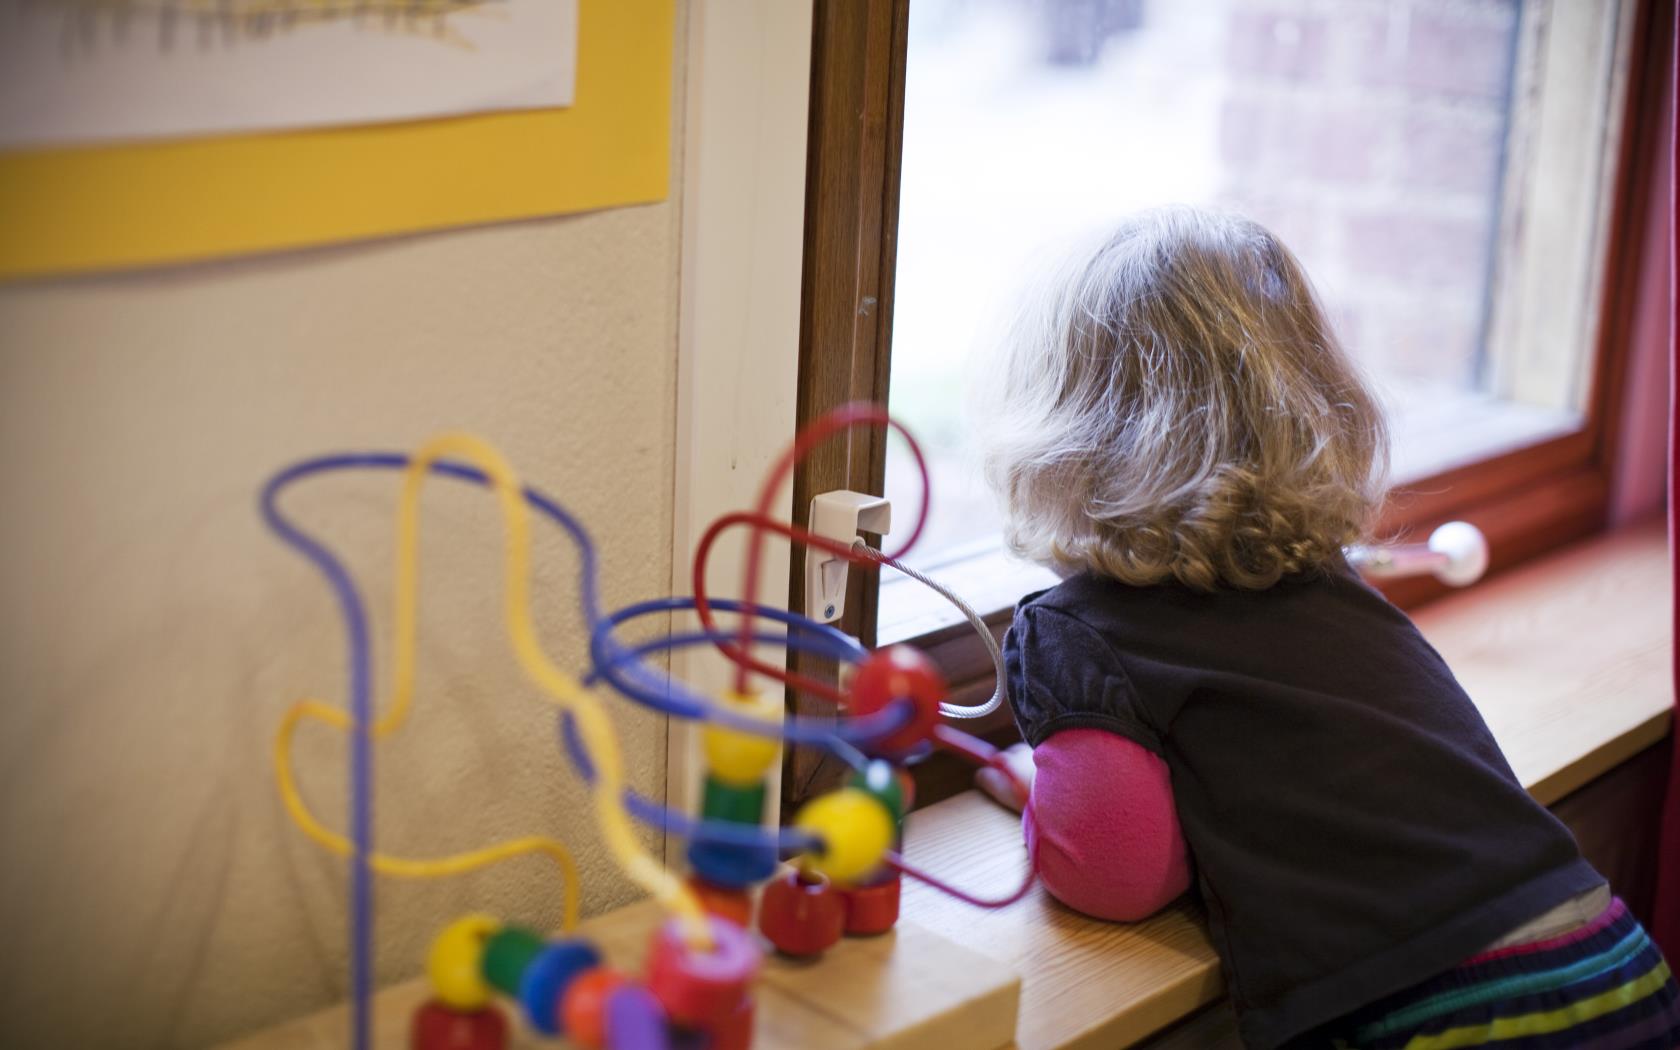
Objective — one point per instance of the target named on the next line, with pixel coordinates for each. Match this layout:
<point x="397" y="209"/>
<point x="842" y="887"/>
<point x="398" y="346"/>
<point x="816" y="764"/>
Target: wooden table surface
<point x="907" y="989"/>
<point x="1569" y="661"/>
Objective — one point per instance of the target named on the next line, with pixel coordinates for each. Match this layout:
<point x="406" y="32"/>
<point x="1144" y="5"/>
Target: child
<point x="1211" y="690"/>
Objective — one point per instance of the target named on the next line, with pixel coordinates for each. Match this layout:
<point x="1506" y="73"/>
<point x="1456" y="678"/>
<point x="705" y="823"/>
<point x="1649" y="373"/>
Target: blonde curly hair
<point x="1177" y="407"/>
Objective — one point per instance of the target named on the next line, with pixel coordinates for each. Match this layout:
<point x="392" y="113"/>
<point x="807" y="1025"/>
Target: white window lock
<point x="838" y="516"/>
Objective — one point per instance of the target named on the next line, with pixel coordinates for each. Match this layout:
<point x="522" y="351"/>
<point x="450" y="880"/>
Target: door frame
<point x="746" y="110"/>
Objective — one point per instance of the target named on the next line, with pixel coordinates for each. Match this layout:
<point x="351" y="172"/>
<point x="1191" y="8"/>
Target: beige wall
<point x="153" y="892"/>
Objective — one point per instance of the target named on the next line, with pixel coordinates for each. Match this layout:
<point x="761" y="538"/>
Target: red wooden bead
<point x="732" y="904"/>
<point x="734" y="1032"/>
<point x="899" y="672"/>
<point x="583" y="1006"/>
<point x="698" y="987"/>
<point x="873" y="908"/>
<point x="801" y="915"/>
<point x="437" y="1027"/>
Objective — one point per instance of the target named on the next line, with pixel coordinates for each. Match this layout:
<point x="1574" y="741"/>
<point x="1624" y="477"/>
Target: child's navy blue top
<point x="1354" y="827"/>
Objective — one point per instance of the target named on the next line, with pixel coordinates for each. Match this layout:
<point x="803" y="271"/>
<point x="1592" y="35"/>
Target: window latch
<point x="839" y="516"/>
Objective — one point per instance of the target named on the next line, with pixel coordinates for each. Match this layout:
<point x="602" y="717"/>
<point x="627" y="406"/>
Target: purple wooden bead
<point x="635" y="1020"/>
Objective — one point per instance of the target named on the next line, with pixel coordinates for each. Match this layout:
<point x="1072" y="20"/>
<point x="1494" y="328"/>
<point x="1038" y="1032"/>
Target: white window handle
<point x="838" y="516"/>
<point x="1456" y="554"/>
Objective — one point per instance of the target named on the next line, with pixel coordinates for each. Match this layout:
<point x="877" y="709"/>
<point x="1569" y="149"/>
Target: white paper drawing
<point x="97" y="71"/>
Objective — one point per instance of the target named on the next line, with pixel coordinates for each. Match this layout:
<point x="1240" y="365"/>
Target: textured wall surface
<point x="151" y="633"/>
<point x="1369" y="136"/>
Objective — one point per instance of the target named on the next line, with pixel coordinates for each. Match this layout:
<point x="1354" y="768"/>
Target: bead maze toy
<point x="834" y="872"/>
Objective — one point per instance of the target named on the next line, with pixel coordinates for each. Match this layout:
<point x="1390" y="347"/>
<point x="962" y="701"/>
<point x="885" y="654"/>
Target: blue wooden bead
<point x="546" y="978"/>
<point x="730" y="866"/>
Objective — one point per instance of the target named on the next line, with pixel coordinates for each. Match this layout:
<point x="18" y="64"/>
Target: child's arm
<point x="1101" y="824"/>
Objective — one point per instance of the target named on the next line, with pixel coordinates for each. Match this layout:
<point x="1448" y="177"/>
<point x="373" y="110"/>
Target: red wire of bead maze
<point x="802" y="912"/>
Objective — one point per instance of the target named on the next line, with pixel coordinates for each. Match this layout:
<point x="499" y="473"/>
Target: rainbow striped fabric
<point x="1604" y="986"/>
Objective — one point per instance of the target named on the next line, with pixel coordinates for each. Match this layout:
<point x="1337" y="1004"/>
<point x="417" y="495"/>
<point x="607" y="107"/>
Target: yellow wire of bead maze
<point x="701" y="966"/>
<point x="561" y="688"/>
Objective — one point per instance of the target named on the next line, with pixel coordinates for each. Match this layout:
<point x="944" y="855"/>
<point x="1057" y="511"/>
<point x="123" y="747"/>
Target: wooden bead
<point x="880" y="778"/>
<point x="907" y="789"/>
<point x="635" y="1020"/>
<point x="437" y="1027"/>
<point x="726" y="864"/>
<point x="699" y="987"/>
<point x="734" y="1032"/>
<point x="546" y="979"/>
<point x="506" y="955"/>
<point x="873" y="908"/>
<point x="723" y="901"/>
<point x="731" y="866"/>
<point x="898" y="672"/>
<point x="738" y="803"/>
<point x="583" y="1006"/>
<point x="801" y="916"/>
<point x="741" y="758"/>
<point x="856" y="831"/>
<point x="455" y="964"/>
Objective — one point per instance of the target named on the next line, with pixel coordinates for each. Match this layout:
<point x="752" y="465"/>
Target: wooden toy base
<point x="904" y="990"/>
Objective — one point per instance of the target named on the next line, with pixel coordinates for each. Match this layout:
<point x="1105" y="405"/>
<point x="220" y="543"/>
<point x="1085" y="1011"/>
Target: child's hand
<point x="1019" y="759"/>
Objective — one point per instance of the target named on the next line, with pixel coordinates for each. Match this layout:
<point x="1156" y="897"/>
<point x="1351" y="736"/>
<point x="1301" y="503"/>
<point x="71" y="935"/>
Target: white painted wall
<point x="151" y="634"/>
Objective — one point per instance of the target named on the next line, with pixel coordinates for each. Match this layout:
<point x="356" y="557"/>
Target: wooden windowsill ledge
<point x="1569" y="661"/>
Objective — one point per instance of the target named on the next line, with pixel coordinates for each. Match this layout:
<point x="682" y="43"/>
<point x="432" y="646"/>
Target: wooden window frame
<point x="1528" y="501"/>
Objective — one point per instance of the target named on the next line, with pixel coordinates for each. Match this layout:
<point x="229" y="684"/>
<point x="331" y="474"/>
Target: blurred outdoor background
<point x="1371" y="136"/>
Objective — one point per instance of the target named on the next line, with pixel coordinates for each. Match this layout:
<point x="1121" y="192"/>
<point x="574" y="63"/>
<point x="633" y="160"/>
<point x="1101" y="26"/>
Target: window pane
<point x="1371" y="137"/>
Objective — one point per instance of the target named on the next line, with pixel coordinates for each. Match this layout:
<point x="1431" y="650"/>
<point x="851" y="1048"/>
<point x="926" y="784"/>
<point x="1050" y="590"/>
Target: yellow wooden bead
<point x="742" y="759"/>
<point x="856" y="829"/>
<point x="455" y="964"/>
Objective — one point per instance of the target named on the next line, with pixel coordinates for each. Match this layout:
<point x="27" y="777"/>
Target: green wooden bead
<point x="881" y="780"/>
<point x="506" y="954"/>
<point x="722" y="801"/>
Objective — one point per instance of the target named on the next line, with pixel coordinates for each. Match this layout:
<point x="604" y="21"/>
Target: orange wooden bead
<point x="583" y="1007"/>
<point x="907" y="789"/>
<point x="732" y="904"/>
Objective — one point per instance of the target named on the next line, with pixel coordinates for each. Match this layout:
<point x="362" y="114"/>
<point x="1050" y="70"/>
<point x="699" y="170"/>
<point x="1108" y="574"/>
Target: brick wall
<point x="1369" y="135"/>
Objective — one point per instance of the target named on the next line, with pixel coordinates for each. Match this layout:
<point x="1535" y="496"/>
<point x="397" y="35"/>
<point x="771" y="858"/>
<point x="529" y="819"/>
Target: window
<point x="1457" y="179"/>
<point x="1374" y="141"/>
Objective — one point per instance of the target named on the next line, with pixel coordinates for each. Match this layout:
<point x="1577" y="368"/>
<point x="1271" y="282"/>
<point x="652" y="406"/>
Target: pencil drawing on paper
<point x="84" y="24"/>
<point x="76" y="72"/>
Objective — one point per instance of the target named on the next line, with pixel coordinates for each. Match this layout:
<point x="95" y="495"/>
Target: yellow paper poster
<point x="78" y="208"/>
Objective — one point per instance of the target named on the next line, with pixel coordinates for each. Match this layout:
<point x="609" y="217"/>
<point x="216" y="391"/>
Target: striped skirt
<point x="1604" y="985"/>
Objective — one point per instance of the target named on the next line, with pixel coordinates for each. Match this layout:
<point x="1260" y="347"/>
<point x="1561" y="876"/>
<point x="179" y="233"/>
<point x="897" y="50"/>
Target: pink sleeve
<point x="1102" y="828"/>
